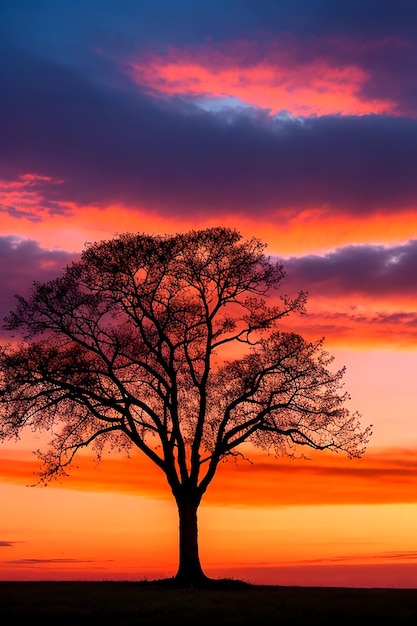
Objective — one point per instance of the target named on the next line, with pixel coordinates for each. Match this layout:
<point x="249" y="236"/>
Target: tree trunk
<point x="190" y="573"/>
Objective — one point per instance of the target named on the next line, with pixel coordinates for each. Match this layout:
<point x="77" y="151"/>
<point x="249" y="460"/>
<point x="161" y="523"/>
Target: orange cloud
<point x="387" y="476"/>
<point x="356" y="329"/>
<point x="314" y="230"/>
<point x="273" y="77"/>
<point x="380" y="477"/>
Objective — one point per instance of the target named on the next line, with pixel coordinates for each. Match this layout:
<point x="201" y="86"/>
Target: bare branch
<point x="128" y="347"/>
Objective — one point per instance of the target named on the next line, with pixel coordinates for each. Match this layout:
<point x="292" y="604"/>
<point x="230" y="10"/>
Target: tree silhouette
<point x="168" y="343"/>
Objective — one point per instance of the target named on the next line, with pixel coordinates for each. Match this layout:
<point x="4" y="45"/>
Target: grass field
<point x="122" y="603"/>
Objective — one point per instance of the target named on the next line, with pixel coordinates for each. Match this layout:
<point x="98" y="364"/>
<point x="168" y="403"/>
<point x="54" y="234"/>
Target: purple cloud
<point x="111" y="144"/>
<point x="368" y="270"/>
<point x="23" y="262"/>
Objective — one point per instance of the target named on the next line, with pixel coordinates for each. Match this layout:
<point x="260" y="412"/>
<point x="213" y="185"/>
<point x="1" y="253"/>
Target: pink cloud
<point x="270" y="74"/>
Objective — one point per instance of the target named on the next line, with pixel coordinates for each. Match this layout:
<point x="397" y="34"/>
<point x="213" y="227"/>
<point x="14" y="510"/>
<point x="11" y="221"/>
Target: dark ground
<point x="123" y="603"/>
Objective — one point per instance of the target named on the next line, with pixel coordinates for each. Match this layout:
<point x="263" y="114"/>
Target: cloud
<point x="368" y="558"/>
<point x="24" y="261"/>
<point x="22" y="198"/>
<point x="7" y="544"/>
<point x="19" y="213"/>
<point x="106" y="144"/>
<point x="381" y="476"/>
<point x="276" y="75"/>
<point x="368" y="270"/>
<point x="376" y="35"/>
<point x="357" y="330"/>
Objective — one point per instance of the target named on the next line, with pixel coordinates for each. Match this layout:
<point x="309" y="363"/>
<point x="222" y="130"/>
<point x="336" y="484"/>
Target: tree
<point x="169" y="344"/>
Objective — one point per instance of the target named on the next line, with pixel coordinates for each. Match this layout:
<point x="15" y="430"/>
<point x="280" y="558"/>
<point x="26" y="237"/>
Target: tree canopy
<point x="171" y="344"/>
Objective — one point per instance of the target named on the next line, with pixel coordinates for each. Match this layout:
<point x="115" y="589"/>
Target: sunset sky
<point x="291" y="120"/>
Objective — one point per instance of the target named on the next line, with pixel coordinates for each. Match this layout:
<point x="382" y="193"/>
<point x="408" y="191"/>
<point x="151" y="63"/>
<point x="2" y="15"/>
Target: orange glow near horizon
<point x="96" y="535"/>
<point x="278" y="81"/>
<point x="384" y="476"/>
<point x="324" y="521"/>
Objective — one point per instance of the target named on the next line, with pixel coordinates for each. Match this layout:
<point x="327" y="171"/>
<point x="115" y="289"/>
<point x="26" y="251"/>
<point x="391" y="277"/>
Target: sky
<point x="292" y="121"/>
